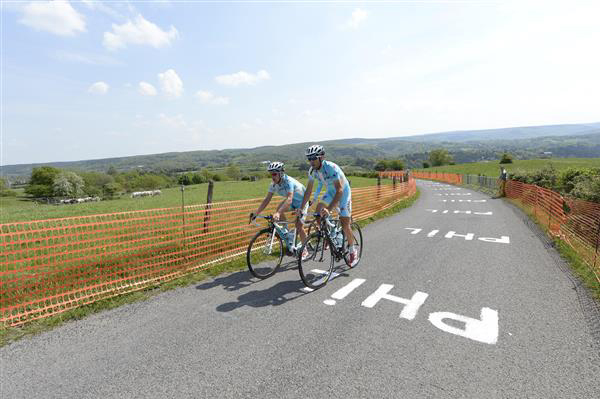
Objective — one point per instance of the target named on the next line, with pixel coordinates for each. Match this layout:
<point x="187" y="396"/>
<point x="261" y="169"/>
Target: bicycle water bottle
<point x="290" y="240"/>
<point x="339" y="236"/>
<point x="286" y="237"/>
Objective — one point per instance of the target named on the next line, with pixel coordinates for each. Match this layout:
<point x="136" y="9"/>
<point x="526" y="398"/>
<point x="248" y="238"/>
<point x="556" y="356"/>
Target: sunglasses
<point x="274" y="174"/>
<point x="312" y="158"/>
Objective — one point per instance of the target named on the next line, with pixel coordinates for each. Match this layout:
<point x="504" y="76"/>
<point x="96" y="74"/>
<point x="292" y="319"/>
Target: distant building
<point x="546" y="154"/>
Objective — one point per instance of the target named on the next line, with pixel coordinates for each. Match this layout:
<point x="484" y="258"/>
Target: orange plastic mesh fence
<point x="575" y="221"/>
<point x="49" y="266"/>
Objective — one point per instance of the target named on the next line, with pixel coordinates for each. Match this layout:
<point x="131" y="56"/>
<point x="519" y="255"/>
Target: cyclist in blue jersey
<point x="337" y="193"/>
<point x="289" y="188"/>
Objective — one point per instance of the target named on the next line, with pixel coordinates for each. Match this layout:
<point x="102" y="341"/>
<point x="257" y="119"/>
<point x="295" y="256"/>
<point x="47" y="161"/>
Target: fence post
<point x="183" y="211"/>
<point x="379" y="180"/>
<point x="209" y="197"/>
<point x="394" y="182"/>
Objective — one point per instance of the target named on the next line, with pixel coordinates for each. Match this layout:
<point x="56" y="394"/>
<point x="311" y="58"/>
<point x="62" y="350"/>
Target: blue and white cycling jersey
<point x="287" y="185"/>
<point x="327" y="175"/>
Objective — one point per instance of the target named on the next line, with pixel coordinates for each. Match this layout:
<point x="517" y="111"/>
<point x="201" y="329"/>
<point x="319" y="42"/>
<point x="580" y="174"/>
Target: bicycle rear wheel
<point x="264" y="254"/>
<point x="315" y="268"/>
<point x="358" y="242"/>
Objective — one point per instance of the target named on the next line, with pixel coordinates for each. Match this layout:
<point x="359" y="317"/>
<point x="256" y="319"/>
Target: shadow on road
<point x="238" y="280"/>
<point x="274" y="295"/>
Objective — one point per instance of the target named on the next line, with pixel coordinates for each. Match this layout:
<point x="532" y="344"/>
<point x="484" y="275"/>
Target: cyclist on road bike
<point x="289" y="188"/>
<point x="337" y="195"/>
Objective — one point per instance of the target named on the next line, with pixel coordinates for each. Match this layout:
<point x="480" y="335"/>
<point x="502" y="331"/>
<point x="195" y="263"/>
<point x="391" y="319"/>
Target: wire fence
<point x="50" y="266"/>
<point x="577" y="222"/>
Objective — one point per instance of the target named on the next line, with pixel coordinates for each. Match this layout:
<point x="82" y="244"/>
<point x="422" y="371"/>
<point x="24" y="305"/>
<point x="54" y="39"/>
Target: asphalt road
<point x="439" y="314"/>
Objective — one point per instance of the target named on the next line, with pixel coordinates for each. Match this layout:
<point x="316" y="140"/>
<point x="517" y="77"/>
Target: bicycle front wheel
<point x="264" y="254"/>
<point x="316" y="265"/>
<point x="357" y="241"/>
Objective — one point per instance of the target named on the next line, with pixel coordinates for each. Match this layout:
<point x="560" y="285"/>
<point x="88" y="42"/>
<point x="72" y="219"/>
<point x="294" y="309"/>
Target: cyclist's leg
<point x="299" y="226"/>
<point x="326" y="200"/>
<point x="346" y="215"/>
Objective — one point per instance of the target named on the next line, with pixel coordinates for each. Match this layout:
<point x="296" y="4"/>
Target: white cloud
<point x="206" y="97"/>
<point x="98" y="88"/>
<point x="146" y="89"/>
<point x="388" y="51"/>
<point x="175" y="122"/>
<point x="357" y="18"/>
<point x="140" y="32"/>
<point x="95" y="5"/>
<point x="56" y="17"/>
<point x="91" y="59"/>
<point x="243" y="77"/>
<point x="170" y="83"/>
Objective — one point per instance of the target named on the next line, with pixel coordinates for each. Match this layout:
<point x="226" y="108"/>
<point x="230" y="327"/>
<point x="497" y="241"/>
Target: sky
<point x="99" y="79"/>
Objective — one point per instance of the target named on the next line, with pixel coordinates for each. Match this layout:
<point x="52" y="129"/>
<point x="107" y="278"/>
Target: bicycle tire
<point x="314" y="270"/>
<point x="263" y="264"/>
<point x="358" y="240"/>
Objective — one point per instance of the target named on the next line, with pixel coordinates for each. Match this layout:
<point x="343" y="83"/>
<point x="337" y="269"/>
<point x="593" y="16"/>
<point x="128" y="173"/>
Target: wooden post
<point x="394" y="182"/>
<point x="209" y="197"/>
<point x="182" y="211"/>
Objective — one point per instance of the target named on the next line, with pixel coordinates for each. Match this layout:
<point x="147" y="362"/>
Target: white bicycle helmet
<point x="275" y="167"/>
<point x="315" y="150"/>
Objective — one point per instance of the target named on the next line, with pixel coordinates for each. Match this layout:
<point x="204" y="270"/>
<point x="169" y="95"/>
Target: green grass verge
<point x="493" y="168"/>
<point x="18" y="209"/>
<point x="9" y="334"/>
<point x="579" y="268"/>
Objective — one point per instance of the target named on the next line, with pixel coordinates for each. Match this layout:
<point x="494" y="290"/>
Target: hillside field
<point x="14" y="209"/>
<point x="492" y="168"/>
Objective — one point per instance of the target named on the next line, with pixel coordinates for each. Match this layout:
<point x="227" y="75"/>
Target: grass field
<point x="15" y="209"/>
<point x="492" y="169"/>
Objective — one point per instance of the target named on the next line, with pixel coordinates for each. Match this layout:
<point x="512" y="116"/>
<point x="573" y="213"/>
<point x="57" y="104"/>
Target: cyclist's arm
<point x="307" y="192"/>
<point x="264" y="204"/>
<point x="284" y="206"/>
<point x="318" y="191"/>
<point x="339" y="190"/>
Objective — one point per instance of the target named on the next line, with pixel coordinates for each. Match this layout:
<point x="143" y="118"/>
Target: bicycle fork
<point x="269" y="247"/>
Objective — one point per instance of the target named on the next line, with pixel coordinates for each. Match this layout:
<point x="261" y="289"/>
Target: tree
<point x="4" y="190"/>
<point x="206" y="174"/>
<point x="185" y="180"/>
<point x="380" y="166"/>
<point x="41" y="181"/>
<point x="233" y="171"/>
<point x="112" y="171"/>
<point x="396" y="165"/>
<point x="425" y="164"/>
<point x="439" y="157"/>
<point x="111" y="189"/>
<point x="506" y="158"/>
<point x="67" y="184"/>
<point x="197" y="178"/>
<point x="95" y="181"/>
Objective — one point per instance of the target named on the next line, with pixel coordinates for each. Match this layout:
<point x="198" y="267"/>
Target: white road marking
<point x="483" y="330"/>
<point x="319" y="271"/>
<point x="344" y="291"/>
<point x="411" y="307"/>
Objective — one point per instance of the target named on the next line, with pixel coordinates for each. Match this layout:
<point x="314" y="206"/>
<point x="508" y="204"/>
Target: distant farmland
<point x="492" y="168"/>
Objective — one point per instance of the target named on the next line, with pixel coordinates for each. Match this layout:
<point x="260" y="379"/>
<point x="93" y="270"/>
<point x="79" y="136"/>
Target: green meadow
<point x="16" y="209"/>
<point x="492" y="168"/>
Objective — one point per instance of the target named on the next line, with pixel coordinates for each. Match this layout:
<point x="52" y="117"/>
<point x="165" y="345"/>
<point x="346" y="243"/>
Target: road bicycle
<point x="268" y="247"/>
<point x="326" y="246"/>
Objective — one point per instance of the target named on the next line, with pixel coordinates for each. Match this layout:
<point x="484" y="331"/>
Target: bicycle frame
<point x="325" y="231"/>
<point x="278" y="228"/>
